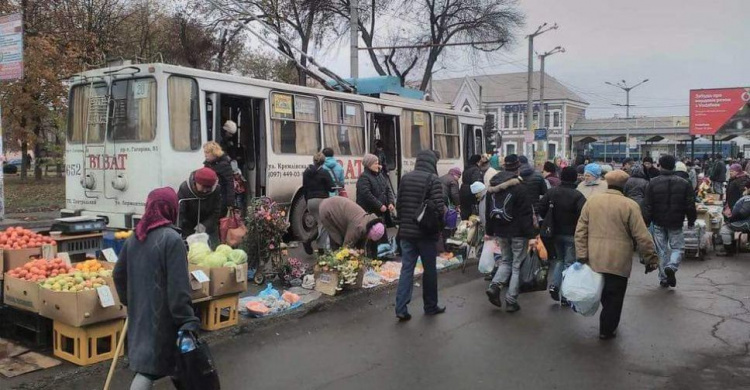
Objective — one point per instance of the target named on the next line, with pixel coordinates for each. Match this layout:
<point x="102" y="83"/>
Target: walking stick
<point x="120" y="344"/>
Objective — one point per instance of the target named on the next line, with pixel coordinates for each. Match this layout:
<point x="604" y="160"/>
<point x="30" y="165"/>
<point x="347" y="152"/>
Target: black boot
<point x="493" y="293"/>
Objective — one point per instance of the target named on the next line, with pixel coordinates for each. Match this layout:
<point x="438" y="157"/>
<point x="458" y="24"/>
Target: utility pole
<point x="354" y="27"/>
<point x="542" y="112"/>
<point x="624" y="86"/>
<point x="529" y="109"/>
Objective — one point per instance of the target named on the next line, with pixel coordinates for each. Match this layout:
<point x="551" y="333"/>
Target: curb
<point x="246" y="325"/>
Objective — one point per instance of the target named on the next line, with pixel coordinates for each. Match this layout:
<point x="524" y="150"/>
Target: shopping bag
<point x="582" y="287"/>
<point x="487" y="258"/>
<point x="232" y="229"/>
<point x="533" y="275"/>
<point x="451" y="218"/>
<point x="195" y="368"/>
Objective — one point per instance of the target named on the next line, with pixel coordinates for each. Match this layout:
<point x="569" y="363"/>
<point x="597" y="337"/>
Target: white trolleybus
<point x="133" y="128"/>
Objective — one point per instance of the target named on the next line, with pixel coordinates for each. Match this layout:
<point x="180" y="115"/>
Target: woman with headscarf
<point x="348" y="225"/>
<point x="450" y="186"/>
<point x="151" y="278"/>
<point x="592" y="183"/>
<point x="374" y="194"/>
<point x="493" y="170"/>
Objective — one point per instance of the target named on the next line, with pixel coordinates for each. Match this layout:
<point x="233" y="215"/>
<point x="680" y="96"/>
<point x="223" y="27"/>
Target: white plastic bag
<point x="197" y="237"/>
<point x="582" y="287"/>
<point x="487" y="258"/>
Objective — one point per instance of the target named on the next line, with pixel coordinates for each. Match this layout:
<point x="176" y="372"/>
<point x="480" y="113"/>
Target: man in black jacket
<point x="669" y="199"/>
<point x="472" y="173"/>
<point x="718" y="175"/>
<point x="649" y="169"/>
<point x="533" y="182"/>
<point x="317" y="184"/>
<point x="563" y="204"/>
<point x="415" y="242"/>
<point x="509" y="219"/>
<point x="200" y="203"/>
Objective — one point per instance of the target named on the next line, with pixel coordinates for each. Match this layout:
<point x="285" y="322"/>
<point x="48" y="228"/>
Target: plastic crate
<point x="88" y="344"/>
<point x="219" y="313"/>
<point x="29" y="328"/>
<point x="80" y="246"/>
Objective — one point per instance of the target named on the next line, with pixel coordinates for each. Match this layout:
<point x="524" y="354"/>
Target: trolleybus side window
<point x="446" y="136"/>
<point x="81" y="114"/>
<point x="416" y="132"/>
<point x="296" y="124"/>
<point x="133" y="110"/>
<point x="343" y="127"/>
<point x="184" y="117"/>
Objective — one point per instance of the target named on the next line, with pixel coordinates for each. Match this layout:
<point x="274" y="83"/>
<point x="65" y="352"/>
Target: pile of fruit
<point x="224" y="256"/>
<point x="89" y="266"/>
<point x="122" y="235"/>
<point x="77" y="281"/>
<point x="20" y="238"/>
<point x="39" y="270"/>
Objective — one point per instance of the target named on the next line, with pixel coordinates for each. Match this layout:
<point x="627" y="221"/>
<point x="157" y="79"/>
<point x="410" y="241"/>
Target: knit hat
<point x="369" y="159"/>
<point x="230" y="127"/>
<point x="569" y="175"/>
<point x="205" y="177"/>
<point x="735" y="168"/>
<point x="495" y="162"/>
<point x="512" y="162"/>
<point x="617" y="178"/>
<point x="477" y="187"/>
<point x="455" y="171"/>
<point x="680" y="167"/>
<point x="606" y="168"/>
<point x="474" y="159"/>
<point x="667" y="162"/>
<point x="550" y="167"/>
<point x="648" y="160"/>
<point x="376" y="232"/>
<point x="580" y="169"/>
<point x="523" y="159"/>
<point x="627" y="160"/>
<point x="593" y="169"/>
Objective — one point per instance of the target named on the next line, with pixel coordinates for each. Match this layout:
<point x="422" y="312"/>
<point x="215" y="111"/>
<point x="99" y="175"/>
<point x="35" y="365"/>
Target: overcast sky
<point x="678" y="44"/>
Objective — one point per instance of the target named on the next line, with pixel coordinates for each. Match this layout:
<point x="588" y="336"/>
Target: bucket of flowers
<point x="342" y="269"/>
<point x="266" y="225"/>
<point x="292" y="271"/>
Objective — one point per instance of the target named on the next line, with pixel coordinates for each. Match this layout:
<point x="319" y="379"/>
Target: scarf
<point x="161" y="210"/>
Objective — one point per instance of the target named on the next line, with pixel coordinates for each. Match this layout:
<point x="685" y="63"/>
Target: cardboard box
<point x="199" y="290"/>
<point x="21" y="294"/>
<point x="14" y="258"/>
<point x="326" y="282"/>
<point x="226" y="280"/>
<point x="80" y="308"/>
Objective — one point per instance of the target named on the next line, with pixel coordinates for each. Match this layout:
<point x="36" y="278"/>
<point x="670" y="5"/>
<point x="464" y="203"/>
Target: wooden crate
<point x="89" y="344"/>
<point x="220" y="312"/>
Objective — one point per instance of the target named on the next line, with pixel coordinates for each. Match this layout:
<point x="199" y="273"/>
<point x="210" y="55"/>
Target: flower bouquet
<point x="340" y="269"/>
<point x="266" y="225"/>
<point x="292" y="271"/>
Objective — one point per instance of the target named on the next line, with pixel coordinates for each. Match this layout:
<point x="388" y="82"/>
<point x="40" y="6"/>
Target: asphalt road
<point x="693" y="337"/>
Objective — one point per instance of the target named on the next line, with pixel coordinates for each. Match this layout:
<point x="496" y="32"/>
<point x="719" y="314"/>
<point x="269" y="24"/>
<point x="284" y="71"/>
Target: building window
<point x="557" y="119"/>
<point x="415" y="129"/>
<point x="296" y="124"/>
<point x="343" y="127"/>
<point x="184" y="115"/>
<point x="489" y="122"/>
<point x="506" y="120"/>
<point x="510" y="149"/>
<point x="446" y="136"/>
<point x="514" y="120"/>
<point x="466" y="109"/>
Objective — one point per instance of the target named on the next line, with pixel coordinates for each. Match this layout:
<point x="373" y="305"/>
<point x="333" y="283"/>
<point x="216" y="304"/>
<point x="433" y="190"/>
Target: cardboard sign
<point x="65" y="258"/>
<point x="282" y="104"/>
<point x="110" y="255"/>
<point x="48" y="251"/>
<point x="200" y="276"/>
<point x="240" y="277"/>
<point x="105" y="296"/>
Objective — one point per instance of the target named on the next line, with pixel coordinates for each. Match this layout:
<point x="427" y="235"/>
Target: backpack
<point x="501" y="207"/>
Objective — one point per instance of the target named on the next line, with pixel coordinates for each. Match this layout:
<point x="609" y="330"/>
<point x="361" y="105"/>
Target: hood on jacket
<point x="193" y="189"/>
<point x="426" y="161"/>
<point x="330" y="162"/>
<point x="526" y="170"/>
<point x="503" y="177"/>
<point x="638" y="172"/>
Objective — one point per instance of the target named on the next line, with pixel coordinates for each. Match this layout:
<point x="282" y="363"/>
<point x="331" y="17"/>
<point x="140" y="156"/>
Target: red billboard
<point x="725" y="110"/>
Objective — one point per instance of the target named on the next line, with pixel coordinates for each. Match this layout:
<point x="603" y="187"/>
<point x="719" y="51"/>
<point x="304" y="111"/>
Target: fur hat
<point x="667" y="162"/>
<point x="511" y="163"/>
<point x="680" y="167"/>
<point x="616" y="178"/>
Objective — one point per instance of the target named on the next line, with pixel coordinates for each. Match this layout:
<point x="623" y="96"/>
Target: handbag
<point x="427" y="218"/>
<point x="547" y="229"/>
<point x="451" y="217"/>
<point x="195" y="368"/>
<point x="533" y="275"/>
<point x="232" y="230"/>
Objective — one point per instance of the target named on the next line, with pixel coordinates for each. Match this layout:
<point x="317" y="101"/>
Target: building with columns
<point x="502" y="98"/>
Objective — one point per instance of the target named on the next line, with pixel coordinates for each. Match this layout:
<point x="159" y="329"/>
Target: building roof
<point x="505" y="88"/>
<point x="614" y="127"/>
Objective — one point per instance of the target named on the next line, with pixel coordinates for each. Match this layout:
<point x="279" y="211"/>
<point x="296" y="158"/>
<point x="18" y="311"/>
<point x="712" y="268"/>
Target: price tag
<point x="65" y="258"/>
<point x="105" y="296"/>
<point x="48" y="251"/>
<point x="241" y="276"/>
<point x="200" y="276"/>
<point x="110" y="255"/>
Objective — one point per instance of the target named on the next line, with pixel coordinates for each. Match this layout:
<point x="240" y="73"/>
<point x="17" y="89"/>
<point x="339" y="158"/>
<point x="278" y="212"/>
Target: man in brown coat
<point x="609" y="226"/>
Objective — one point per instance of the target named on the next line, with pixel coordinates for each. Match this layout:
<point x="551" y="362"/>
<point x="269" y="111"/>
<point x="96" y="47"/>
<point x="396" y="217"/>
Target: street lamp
<point x="542" y="114"/>
<point x="539" y="31"/>
<point x="624" y="86"/>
